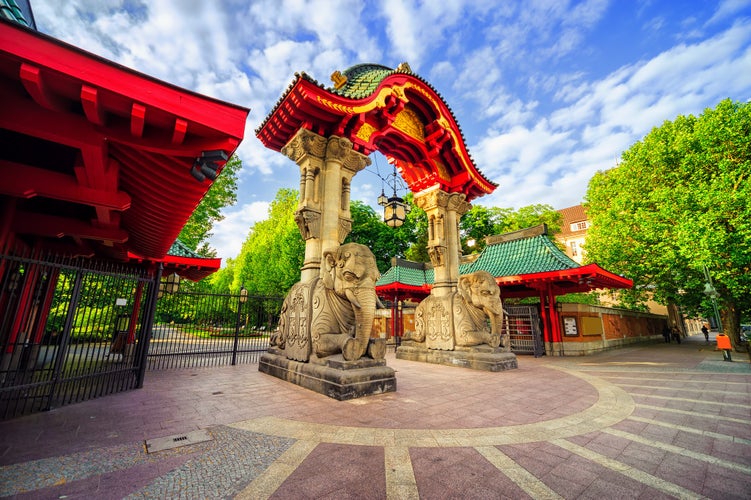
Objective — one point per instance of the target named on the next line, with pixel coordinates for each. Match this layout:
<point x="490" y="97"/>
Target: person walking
<point x="705" y="331"/>
<point x="676" y="334"/>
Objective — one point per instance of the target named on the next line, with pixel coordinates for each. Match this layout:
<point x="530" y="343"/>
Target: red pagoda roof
<point x="97" y="157"/>
<point x="379" y="109"/>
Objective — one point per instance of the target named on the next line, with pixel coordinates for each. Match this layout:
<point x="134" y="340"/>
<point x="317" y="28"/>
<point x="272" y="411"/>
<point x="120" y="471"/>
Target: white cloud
<point x="230" y="233"/>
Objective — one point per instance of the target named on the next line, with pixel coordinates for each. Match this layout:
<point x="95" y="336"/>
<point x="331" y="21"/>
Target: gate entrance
<point x="81" y="336"/>
<point x="522" y="323"/>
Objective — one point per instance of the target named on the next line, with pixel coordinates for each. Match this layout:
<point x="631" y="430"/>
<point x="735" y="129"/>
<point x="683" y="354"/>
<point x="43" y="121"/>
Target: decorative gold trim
<point x="408" y="122"/>
<point x="365" y="131"/>
<point x="445" y="123"/>
<point x="378" y="102"/>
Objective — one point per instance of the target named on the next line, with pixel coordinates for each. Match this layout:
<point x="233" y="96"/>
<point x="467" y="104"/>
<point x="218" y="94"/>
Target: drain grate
<point x="177" y="440"/>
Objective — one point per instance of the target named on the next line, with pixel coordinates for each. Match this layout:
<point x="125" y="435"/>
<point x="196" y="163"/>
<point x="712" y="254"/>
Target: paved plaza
<point x="653" y="421"/>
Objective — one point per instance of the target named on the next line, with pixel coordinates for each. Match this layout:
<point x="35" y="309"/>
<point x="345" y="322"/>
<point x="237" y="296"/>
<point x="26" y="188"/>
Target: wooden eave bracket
<point x="33" y="82"/>
<point x="91" y="104"/>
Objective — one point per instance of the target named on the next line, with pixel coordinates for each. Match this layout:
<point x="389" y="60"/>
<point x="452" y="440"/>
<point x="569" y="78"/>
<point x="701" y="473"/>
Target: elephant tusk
<point x="350" y="294"/>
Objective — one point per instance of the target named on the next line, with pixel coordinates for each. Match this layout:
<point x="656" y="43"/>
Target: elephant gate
<point x="329" y="133"/>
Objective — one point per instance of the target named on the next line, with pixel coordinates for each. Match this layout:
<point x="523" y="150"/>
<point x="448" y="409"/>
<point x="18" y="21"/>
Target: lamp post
<point x="241" y="299"/>
<point x="711" y="292"/>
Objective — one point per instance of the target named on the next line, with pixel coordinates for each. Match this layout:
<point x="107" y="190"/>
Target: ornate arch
<point x="394" y="112"/>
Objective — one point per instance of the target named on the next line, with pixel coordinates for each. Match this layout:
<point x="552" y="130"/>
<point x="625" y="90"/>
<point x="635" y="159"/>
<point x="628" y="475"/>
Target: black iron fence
<point x="206" y="329"/>
<point x="75" y="329"/>
<point x="59" y="320"/>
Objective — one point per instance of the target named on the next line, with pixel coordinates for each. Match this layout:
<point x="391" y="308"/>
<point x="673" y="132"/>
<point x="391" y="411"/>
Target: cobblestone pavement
<point x="653" y="421"/>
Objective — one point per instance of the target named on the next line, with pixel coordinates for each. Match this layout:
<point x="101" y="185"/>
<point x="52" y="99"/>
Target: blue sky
<point x="547" y="92"/>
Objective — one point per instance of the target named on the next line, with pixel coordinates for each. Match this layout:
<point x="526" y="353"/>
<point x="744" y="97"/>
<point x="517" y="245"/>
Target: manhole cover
<point x="176" y="441"/>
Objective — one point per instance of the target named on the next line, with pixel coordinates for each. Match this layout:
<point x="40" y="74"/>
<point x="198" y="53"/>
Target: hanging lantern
<point x="394" y="212"/>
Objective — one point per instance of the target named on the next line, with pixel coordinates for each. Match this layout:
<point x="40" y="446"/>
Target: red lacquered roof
<point x="96" y="157"/>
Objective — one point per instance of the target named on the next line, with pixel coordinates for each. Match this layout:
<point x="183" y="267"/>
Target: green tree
<point x="482" y="221"/>
<point x="369" y="229"/>
<point x="222" y="193"/>
<point x="271" y="257"/>
<point x="680" y="202"/>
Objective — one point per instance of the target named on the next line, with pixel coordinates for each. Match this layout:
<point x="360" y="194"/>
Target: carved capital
<point x="309" y="223"/>
<point x="305" y="143"/>
<point x="432" y="199"/>
<point x="340" y="149"/>
<point x="456" y="202"/>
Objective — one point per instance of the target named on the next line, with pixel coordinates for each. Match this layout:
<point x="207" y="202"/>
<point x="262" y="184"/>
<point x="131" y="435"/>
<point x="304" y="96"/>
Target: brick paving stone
<point x="651" y="421"/>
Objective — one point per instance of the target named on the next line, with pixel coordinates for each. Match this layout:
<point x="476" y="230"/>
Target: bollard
<point x="723" y="343"/>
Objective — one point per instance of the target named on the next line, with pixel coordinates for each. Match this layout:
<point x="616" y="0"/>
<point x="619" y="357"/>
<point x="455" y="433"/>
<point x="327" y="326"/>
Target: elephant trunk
<point x="496" y="320"/>
<point x="363" y="303"/>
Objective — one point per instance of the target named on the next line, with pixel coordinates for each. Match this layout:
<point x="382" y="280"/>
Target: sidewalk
<point x="656" y="421"/>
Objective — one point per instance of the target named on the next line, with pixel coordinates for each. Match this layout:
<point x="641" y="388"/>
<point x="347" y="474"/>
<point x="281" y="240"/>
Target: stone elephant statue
<point x="334" y="313"/>
<point x="471" y="316"/>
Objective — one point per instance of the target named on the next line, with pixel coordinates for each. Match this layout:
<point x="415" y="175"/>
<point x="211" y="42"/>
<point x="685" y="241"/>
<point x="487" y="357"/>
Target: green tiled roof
<point x="535" y="254"/>
<point x="527" y="251"/>
<point x="522" y="252"/>
<point x="10" y="10"/>
<point x="363" y="79"/>
<point x="407" y="272"/>
<point x="180" y="249"/>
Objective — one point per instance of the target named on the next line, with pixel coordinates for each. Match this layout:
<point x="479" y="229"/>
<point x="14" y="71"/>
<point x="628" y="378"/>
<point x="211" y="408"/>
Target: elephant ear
<point x="465" y="283"/>
<point x="329" y="258"/>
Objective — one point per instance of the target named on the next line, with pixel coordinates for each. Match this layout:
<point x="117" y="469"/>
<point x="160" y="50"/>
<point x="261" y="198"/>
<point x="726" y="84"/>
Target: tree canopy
<point x="369" y="229"/>
<point x="482" y="221"/>
<point x="271" y="257"/>
<point x="222" y="193"/>
<point x="679" y="203"/>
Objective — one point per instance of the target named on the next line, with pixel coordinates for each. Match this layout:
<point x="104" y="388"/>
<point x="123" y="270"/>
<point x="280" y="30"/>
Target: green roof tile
<point x="536" y="254"/>
<point x="407" y="272"/>
<point x="180" y="249"/>
<point x="362" y="80"/>
<point x="9" y="9"/>
<point x="527" y="251"/>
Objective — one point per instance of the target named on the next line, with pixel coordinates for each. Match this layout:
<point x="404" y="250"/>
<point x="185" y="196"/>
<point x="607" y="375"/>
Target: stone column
<point x="444" y="211"/>
<point x="326" y="170"/>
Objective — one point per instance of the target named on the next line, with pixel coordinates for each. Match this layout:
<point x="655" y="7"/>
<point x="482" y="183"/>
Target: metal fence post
<point x="147" y="325"/>
<point x="240" y="301"/>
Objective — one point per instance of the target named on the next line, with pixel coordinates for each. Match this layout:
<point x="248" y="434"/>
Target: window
<point x="580" y="226"/>
<point x="574" y="249"/>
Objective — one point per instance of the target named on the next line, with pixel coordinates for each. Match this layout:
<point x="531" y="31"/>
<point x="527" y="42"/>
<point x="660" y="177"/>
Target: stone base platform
<point x="477" y="358"/>
<point x="333" y="376"/>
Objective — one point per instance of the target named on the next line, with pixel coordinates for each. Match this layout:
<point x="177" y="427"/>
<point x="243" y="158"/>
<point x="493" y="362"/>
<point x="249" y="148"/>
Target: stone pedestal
<point x="477" y="358"/>
<point x="331" y="376"/>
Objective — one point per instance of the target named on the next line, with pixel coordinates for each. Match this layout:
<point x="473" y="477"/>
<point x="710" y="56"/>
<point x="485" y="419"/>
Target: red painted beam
<point x="23" y="181"/>
<point x="137" y="119"/>
<point x="57" y="227"/>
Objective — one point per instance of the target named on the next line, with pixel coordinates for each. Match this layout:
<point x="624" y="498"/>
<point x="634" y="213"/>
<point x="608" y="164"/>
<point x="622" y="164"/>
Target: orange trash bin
<point x="723" y="343"/>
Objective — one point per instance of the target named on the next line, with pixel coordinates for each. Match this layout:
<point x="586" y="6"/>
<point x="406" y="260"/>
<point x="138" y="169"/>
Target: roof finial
<point x="339" y="79"/>
<point x="404" y="68"/>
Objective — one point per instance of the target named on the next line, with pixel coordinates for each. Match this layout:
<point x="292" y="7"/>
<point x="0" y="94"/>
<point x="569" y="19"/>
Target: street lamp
<point x="711" y="292"/>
